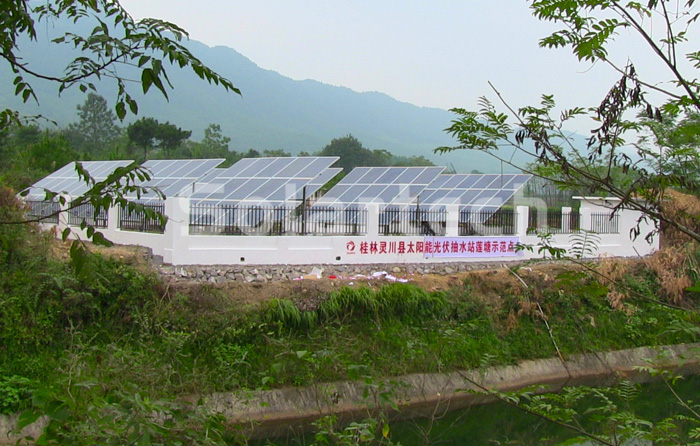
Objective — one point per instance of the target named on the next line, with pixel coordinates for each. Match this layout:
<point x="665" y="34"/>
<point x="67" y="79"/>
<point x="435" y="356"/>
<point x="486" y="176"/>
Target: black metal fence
<point x="86" y="213"/>
<point x="244" y="219"/>
<point x="139" y="222"/>
<point x="47" y="211"/>
<point x="605" y="223"/>
<point x="407" y="221"/>
<point x="500" y="222"/>
<point x="555" y="222"/>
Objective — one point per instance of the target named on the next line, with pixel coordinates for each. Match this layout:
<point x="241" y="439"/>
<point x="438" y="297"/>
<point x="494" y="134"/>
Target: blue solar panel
<point x="398" y="185"/>
<point x="175" y="177"/>
<point x="66" y="180"/>
<point x="265" y="180"/>
<point x="473" y="191"/>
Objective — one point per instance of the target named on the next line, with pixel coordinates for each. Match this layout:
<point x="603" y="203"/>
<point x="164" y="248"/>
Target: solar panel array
<point x="174" y="177"/>
<point x="263" y="180"/>
<point x="278" y="180"/>
<point x="397" y="185"/>
<point x="317" y="183"/>
<point x="66" y="180"/>
<point x="473" y="191"/>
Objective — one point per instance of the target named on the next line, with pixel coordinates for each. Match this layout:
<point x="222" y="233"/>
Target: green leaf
<point x="120" y="109"/>
<point x="99" y="239"/>
<point x="28" y="417"/>
<point x="146" y="79"/>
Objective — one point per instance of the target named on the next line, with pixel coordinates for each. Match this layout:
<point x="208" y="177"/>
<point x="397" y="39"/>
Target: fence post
<point x="63" y="215"/>
<point x="585" y="216"/>
<point x="452" y="223"/>
<point x="177" y="230"/>
<point x="522" y="215"/>
<point x="372" y="219"/>
<point x="566" y="220"/>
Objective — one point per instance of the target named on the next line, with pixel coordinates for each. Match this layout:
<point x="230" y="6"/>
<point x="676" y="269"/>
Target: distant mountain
<point x="274" y="112"/>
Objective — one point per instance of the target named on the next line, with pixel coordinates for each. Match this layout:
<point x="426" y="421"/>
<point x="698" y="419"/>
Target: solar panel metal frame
<point x="66" y="180"/>
<point x="253" y="177"/>
<point x="384" y="185"/>
<point x="487" y="192"/>
<point x="174" y="177"/>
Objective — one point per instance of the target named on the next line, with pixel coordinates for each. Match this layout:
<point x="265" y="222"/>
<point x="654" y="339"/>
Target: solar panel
<point x="175" y="177"/>
<point x="317" y="183"/>
<point x="265" y="180"/>
<point x="396" y="185"/>
<point x="66" y="180"/>
<point x="473" y="191"/>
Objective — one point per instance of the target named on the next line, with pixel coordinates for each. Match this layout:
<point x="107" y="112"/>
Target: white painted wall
<point x="178" y="247"/>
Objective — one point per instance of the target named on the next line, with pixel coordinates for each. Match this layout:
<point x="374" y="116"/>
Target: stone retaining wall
<point x="270" y="273"/>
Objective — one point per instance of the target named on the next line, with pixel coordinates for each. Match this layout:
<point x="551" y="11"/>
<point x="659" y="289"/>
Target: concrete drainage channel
<point x="278" y="412"/>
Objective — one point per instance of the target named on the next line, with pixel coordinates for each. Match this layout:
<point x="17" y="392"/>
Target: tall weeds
<point x="394" y="301"/>
<point x="674" y="266"/>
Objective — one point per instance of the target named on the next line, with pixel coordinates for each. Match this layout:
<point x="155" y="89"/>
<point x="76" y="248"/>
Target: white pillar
<point x="372" y="219"/>
<point x="177" y="229"/>
<point x="585" y="216"/>
<point x="452" y="229"/>
<point x="566" y="220"/>
<point x="522" y="214"/>
<point x="63" y="216"/>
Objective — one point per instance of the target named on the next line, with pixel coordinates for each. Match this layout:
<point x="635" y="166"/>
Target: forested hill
<point x="274" y="112"/>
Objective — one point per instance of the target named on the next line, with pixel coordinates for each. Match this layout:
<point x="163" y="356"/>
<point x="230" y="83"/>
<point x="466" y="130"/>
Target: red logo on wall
<point x="350" y="247"/>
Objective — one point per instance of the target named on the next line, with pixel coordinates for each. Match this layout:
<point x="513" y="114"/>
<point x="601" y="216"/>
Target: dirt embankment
<point x="490" y="279"/>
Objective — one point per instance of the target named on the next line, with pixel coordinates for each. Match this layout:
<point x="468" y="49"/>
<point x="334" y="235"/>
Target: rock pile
<point x="271" y="273"/>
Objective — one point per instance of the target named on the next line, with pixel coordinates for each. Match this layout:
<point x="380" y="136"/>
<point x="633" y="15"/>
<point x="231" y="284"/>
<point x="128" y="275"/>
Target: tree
<point x="214" y="141"/>
<point x="352" y="154"/>
<point x="588" y="28"/>
<point x="29" y="153"/>
<point x="105" y="38"/>
<point x="276" y="153"/>
<point x="170" y="137"/>
<point x="148" y="134"/>
<point x="641" y="128"/>
<point x="97" y="127"/>
<point x="214" y="145"/>
<point x="680" y="137"/>
<point x="143" y="133"/>
<point x="407" y="161"/>
<point x="115" y="40"/>
<point x="251" y="153"/>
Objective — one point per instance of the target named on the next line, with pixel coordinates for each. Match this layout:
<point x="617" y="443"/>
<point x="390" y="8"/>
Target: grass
<point x="118" y="331"/>
<point x="167" y="347"/>
<point x="178" y="345"/>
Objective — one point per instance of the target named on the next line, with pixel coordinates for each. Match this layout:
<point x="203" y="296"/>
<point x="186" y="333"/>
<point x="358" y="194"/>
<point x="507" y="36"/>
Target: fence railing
<point x="280" y="220"/>
<point x="47" y="211"/>
<point x="501" y="222"/>
<point x="555" y="223"/>
<point x="406" y="221"/>
<point x="138" y="222"/>
<point x="242" y="219"/>
<point x="86" y="213"/>
<point x="605" y="223"/>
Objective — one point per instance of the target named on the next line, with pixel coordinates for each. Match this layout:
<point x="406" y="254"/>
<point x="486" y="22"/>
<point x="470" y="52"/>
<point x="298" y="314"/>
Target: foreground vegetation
<point x="113" y="338"/>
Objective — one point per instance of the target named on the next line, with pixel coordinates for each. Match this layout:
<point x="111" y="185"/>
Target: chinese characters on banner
<point x="438" y="247"/>
<point x="470" y="246"/>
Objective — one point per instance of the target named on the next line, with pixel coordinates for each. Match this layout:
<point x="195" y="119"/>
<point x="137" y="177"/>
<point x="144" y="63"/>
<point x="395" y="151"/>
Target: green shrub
<point x="15" y="392"/>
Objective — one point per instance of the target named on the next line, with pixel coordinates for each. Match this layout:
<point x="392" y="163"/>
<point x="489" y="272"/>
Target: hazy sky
<point x="437" y="53"/>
